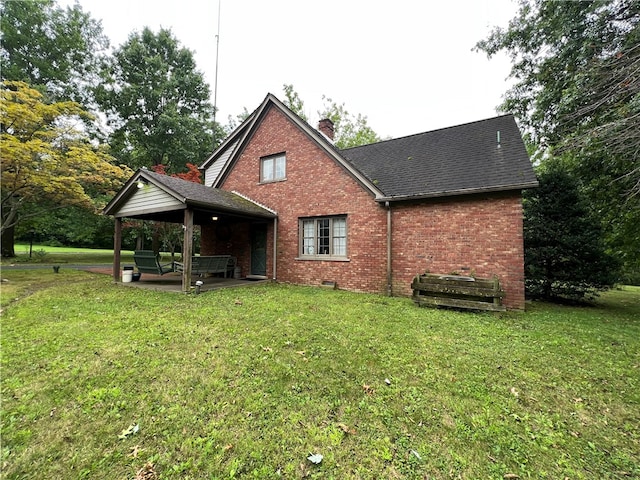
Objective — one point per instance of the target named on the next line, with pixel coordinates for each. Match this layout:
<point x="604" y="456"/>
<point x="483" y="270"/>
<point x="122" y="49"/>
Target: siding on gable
<point x="211" y="173"/>
<point x="149" y="199"/>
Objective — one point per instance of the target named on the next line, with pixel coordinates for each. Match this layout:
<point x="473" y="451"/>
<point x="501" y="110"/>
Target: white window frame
<point x="273" y="168"/>
<point x="323" y="238"/>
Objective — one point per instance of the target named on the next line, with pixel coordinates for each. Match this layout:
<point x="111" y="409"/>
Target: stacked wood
<point x="433" y="290"/>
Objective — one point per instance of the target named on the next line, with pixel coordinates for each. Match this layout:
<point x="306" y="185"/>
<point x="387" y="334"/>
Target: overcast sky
<point x="407" y="65"/>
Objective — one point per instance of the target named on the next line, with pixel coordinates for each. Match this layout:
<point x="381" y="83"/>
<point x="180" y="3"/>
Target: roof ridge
<point x="242" y="195"/>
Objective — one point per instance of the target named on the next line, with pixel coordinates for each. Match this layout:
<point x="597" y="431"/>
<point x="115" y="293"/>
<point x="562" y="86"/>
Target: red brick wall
<point x="470" y="235"/>
<point x="315" y="185"/>
<point x="479" y="235"/>
<point x="228" y="238"/>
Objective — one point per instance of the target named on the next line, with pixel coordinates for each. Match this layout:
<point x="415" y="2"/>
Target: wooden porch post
<point x="117" y="242"/>
<point x="187" y="249"/>
<point x="275" y="246"/>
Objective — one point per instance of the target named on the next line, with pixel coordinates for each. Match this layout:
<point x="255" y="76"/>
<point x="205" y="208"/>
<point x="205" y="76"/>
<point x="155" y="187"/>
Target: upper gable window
<point x="273" y="168"/>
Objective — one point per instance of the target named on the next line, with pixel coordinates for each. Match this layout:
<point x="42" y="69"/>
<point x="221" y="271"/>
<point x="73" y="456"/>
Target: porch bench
<point x="147" y="261"/>
<point x="201" y="264"/>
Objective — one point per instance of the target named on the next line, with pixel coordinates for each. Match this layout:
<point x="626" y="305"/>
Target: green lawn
<point x="248" y="382"/>
<point x="46" y="254"/>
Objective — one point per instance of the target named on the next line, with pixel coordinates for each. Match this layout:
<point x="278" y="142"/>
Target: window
<point x="323" y="237"/>
<point x="273" y="169"/>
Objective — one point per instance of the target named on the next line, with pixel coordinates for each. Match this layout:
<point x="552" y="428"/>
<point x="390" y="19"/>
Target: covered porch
<point x="230" y="223"/>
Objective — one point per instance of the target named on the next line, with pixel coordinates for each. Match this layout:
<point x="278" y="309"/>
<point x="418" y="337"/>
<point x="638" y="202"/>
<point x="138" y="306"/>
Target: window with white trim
<point x="323" y="237"/>
<point x="273" y="168"/>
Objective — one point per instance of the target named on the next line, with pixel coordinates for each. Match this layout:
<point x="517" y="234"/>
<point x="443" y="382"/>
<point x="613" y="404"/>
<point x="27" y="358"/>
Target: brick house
<point x="294" y="208"/>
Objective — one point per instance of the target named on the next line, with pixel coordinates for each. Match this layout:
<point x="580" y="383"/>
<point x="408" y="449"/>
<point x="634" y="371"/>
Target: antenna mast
<point x="215" y="82"/>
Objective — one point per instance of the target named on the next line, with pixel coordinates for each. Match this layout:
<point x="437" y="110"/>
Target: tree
<point x="565" y="256"/>
<point x="44" y="45"/>
<point x="47" y="160"/>
<point x="577" y="93"/>
<point x="158" y="103"/>
<point x="573" y="63"/>
<point x="294" y="102"/>
<point x="348" y="131"/>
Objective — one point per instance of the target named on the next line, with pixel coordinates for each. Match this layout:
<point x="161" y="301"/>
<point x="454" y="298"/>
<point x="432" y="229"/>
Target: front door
<point x="259" y="250"/>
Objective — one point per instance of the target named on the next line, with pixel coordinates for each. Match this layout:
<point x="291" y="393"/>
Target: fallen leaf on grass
<point x="267" y="349"/>
<point x="135" y="451"/>
<point x="127" y="432"/>
<point x="510" y="475"/>
<point x="515" y="393"/>
<point x="315" y="458"/>
<point x="368" y="389"/>
<point x="301" y="352"/>
<point x="346" y="429"/>
<point x="227" y="447"/>
<point x="147" y="472"/>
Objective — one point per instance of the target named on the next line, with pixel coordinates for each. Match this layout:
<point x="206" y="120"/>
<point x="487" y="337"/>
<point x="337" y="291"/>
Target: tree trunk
<point x="8" y="242"/>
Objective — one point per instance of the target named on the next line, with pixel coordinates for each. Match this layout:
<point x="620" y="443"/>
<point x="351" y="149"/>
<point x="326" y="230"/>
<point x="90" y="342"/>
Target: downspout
<point x="389" y="277"/>
<point x="275" y="245"/>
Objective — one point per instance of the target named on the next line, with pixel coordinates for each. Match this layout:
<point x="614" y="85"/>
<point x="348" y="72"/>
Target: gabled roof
<point x="483" y="156"/>
<point x="233" y="146"/>
<point x="185" y="194"/>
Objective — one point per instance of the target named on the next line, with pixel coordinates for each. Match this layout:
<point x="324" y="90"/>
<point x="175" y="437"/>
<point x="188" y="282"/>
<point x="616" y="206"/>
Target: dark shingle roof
<point x="197" y="194"/>
<point x="450" y="161"/>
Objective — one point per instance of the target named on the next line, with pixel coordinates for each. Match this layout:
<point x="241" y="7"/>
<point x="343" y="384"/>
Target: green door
<point x="259" y="250"/>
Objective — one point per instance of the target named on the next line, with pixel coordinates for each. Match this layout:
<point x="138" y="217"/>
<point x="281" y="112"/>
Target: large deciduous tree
<point x="57" y="49"/>
<point x="47" y="161"/>
<point x="158" y="103"/>
<point x="576" y="67"/>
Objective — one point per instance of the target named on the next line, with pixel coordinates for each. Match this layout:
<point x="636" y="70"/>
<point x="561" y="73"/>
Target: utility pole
<point x="215" y="82"/>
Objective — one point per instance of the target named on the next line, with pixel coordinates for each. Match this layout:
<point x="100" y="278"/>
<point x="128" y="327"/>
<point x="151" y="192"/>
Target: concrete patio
<point x="172" y="282"/>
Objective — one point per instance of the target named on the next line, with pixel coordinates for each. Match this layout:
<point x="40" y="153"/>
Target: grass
<point x="45" y="254"/>
<point x="247" y="383"/>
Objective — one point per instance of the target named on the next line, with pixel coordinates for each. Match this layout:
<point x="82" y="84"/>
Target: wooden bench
<point x="201" y="264"/>
<point x="147" y="261"/>
<point x="458" y="291"/>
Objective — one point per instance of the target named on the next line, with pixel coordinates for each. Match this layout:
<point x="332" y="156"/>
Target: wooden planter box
<point x="432" y="290"/>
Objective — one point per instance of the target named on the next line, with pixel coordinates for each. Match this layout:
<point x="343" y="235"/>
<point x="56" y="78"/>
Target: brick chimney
<point x="326" y="126"/>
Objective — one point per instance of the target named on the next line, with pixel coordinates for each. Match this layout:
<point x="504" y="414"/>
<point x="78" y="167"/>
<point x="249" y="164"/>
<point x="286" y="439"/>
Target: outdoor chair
<point x="148" y="261"/>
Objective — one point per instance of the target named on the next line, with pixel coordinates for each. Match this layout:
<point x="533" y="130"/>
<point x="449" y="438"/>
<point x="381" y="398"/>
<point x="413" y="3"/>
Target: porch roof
<point x="152" y="196"/>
